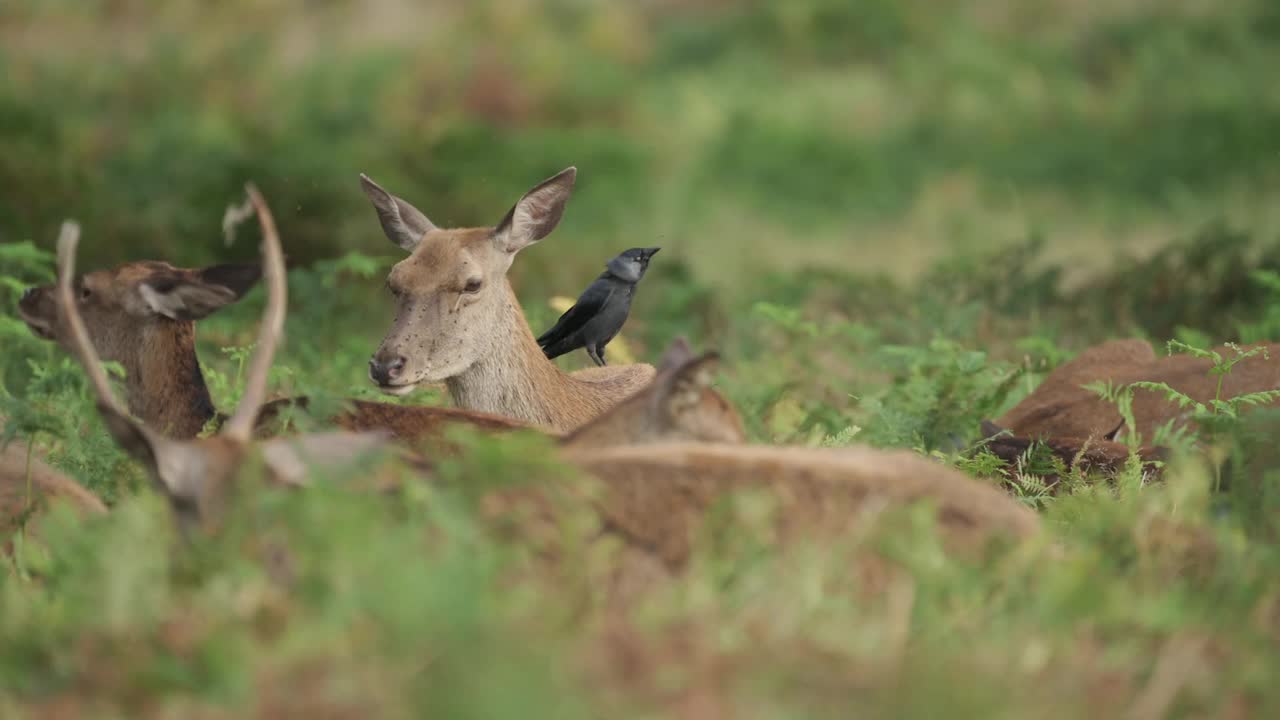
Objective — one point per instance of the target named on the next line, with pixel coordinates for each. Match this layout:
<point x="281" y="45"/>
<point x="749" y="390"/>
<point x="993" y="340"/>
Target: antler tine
<point x="68" y="239"/>
<point x="240" y="426"/>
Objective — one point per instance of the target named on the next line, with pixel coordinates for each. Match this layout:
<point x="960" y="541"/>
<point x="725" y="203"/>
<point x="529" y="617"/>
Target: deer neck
<point x="164" y="385"/>
<point x="514" y="378"/>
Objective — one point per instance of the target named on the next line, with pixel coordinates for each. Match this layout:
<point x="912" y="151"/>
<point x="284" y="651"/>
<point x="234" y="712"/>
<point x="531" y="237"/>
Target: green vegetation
<point x="892" y="218"/>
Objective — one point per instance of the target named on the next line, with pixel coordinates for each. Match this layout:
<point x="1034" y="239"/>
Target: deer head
<point x="452" y="289"/>
<point x="197" y="475"/>
<point x="679" y="404"/>
<point x="141" y="315"/>
<point x="122" y="307"/>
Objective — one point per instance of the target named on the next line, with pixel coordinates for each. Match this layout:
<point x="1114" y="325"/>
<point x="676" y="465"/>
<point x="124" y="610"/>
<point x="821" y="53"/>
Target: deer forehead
<point x="117" y="282"/>
<point x="443" y="258"/>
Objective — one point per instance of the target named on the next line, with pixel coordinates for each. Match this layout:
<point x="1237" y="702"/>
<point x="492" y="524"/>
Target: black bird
<point x="601" y="310"/>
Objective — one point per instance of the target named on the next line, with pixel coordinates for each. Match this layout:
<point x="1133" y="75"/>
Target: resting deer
<point x="458" y="320"/>
<point x="1071" y="417"/>
<point x="197" y="475"/>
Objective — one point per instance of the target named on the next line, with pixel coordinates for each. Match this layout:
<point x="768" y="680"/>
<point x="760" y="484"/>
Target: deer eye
<point x="472" y="286"/>
<point x="85" y="293"/>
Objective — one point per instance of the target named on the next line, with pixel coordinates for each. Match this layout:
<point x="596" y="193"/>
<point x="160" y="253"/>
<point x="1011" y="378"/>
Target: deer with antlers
<point x="197" y="475"/>
<point x="458" y="320"/>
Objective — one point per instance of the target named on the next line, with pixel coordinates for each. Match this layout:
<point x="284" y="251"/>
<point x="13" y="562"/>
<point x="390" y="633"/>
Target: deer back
<point x="1192" y="377"/>
<point x="656" y="496"/>
<point x="1060" y="406"/>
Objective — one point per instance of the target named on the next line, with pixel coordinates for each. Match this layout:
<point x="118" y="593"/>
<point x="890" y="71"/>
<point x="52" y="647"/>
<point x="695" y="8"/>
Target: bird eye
<point x="472" y="286"/>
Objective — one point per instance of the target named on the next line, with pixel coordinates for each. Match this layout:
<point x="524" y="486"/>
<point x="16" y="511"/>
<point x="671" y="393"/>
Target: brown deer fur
<point x="458" y="320"/>
<point x="1077" y="424"/>
<point x="655" y="499"/>
<point x="656" y="495"/>
<point x="1060" y="407"/>
<point x="1191" y="376"/>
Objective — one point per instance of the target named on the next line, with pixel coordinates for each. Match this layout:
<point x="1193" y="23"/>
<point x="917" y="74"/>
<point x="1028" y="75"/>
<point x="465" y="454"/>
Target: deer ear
<point x="182" y="297"/>
<point x="680" y="387"/>
<point x="403" y="223"/>
<point x="678" y="353"/>
<point x="239" y="278"/>
<point x="536" y="214"/>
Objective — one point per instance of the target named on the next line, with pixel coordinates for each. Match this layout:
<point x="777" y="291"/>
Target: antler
<point x="68" y="239"/>
<point x="131" y="435"/>
<point x="240" y="426"/>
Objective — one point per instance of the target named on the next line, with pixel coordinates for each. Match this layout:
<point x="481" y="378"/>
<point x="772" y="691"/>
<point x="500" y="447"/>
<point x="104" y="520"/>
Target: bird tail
<point x="555" y="349"/>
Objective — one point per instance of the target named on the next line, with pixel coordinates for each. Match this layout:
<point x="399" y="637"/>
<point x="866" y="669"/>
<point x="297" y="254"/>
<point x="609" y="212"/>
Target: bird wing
<point x="591" y="302"/>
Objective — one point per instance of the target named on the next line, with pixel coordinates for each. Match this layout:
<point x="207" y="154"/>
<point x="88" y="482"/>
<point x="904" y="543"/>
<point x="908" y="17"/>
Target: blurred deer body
<point x="656" y="499"/>
<point x="458" y="320"/>
<point x="657" y="494"/>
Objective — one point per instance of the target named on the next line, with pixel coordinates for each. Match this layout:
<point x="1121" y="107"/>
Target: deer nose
<point x="384" y="371"/>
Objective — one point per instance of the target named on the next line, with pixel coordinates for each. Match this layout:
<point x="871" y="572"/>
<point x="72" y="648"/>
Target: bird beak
<point x="650" y="252"/>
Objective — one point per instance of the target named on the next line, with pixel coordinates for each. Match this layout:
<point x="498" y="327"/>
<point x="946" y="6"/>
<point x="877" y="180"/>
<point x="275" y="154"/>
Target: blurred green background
<point x="865" y="135"/>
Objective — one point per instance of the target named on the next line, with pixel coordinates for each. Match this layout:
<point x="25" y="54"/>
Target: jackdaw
<point x="601" y="310"/>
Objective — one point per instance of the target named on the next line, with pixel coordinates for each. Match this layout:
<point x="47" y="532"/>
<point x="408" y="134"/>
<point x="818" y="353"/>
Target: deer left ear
<point x="239" y="278"/>
<point x="536" y="214"/>
<point x="680" y="387"/>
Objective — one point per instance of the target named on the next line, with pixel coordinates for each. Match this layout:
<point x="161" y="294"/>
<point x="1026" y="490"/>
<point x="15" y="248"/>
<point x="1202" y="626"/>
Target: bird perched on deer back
<point x="601" y="310"/>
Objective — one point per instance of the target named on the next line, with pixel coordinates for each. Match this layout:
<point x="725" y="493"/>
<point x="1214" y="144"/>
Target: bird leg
<point x="595" y="355"/>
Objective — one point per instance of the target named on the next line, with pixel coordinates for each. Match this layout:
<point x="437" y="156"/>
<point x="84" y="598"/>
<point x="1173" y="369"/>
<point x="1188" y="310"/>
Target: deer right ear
<point x="403" y="223"/>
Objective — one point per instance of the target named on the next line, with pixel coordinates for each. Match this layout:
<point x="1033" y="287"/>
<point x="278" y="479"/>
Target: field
<point x="892" y="219"/>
